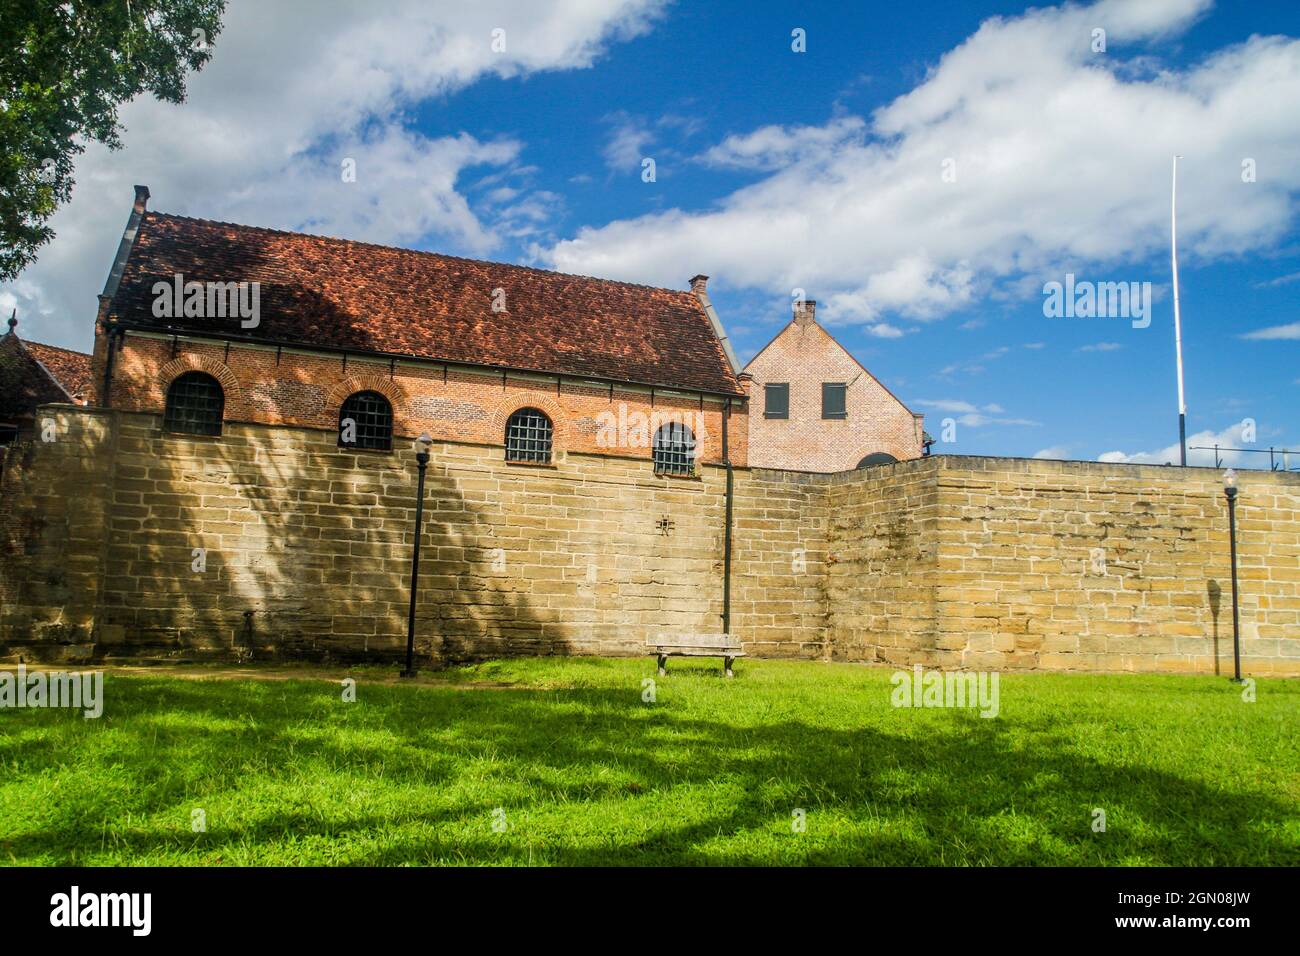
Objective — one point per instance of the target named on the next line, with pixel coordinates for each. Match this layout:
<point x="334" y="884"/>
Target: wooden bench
<point x="726" y="646"/>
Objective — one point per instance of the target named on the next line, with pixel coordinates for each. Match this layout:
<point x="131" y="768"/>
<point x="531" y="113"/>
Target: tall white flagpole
<point x="1178" y="326"/>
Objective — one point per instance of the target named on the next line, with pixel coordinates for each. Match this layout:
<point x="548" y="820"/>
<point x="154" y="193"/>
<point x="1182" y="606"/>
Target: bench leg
<point x="663" y="665"/>
<point x="726" y="666"/>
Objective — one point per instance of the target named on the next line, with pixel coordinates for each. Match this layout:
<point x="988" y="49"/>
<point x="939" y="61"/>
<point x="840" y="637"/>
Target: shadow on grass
<point x="674" y="788"/>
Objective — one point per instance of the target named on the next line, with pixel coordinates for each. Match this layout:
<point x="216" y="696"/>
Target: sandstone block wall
<point x="307" y="547"/>
<point x="882" y="557"/>
<point x="55" y="501"/>
<point x="1018" y="564"/>
<point x="953" y="562"/>
<point x="1065" y="565"/>
<point x="779" y="605"/>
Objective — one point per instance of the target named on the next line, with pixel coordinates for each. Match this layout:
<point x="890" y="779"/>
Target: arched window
<point x="877" y="458"/>
<point x="195" y="405"/>
<point x="674" y="450"/>
<point x="366" y="421"/>
<point x="528" y="436"/>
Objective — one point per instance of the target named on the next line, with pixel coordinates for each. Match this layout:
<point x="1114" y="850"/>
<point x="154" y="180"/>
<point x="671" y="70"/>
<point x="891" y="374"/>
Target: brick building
<point x="815" y="408"/>
<point x="388" y="343"/>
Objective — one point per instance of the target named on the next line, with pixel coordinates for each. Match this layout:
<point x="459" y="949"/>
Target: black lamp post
<point x="1230" y="490"/>
<point x="423" y="444"/>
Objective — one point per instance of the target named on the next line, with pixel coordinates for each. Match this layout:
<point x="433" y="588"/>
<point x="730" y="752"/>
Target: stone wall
<point x="307" y="547"/>
<point x="1083" y="565"/>
<point x="779" y="563"/>
<point x="883" y="554"/>
<point x="952" y="562"/>
<point x="54" y="517"/>
<point x="1018" y="564"/>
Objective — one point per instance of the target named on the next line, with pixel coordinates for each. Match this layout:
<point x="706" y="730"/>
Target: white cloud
<point x="636" y="138"/>
<point x="945" y="405"/>
<point x="1101" y="347"/>
<point x="971" y="415"/>
<point x="979" y="421"/>
<point x="627" y="143"/>
<point x="884" y="330"/>
<point x="1062" y="159"/>
<point x="293" y="89"/>
<point x="1230" y="437"/>
<point x="975" y="366"/>
<point x="1280" y="280"/>
<point x="1289" y="331"/>
<point x="774" y="147"/>
<point x="1055" y="452"/>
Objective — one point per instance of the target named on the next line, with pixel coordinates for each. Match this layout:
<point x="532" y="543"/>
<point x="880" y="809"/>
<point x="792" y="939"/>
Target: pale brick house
<point x="815" y="408"/>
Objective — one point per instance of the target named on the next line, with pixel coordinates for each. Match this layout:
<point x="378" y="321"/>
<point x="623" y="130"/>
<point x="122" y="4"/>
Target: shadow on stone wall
<point x="1215" y="595"/>
<point x="306" y="552"/>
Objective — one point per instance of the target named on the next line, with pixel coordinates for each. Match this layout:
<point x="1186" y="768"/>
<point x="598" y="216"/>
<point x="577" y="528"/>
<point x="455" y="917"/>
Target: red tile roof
<point x="357" y="296"/>
<point x="70" y="369"/>
<point x="27" y="381"/>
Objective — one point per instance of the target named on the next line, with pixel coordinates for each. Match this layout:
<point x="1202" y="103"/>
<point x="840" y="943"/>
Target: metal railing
<point x="1273" y="454"/>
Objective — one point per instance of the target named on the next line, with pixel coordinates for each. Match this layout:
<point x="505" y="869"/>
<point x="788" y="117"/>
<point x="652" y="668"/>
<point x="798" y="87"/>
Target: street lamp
<point x="1230" y="490"/>
<point x="422" y="444"/>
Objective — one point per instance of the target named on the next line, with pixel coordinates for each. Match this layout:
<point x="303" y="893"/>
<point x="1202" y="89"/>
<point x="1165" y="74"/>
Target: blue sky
<point x="776" y="170"/>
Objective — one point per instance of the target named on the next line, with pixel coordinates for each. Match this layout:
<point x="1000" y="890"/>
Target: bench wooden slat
<point x="726" y="646"/>
<point x="699" y="651"/>
<point x="675" y="640"/>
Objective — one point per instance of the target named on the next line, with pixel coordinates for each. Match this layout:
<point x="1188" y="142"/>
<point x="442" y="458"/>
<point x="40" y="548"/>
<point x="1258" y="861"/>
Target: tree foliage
<point x="65" y="69"/>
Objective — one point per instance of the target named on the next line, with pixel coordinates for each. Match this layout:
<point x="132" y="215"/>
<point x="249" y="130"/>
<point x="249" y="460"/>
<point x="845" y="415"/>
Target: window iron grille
<point x="195" y="405"/>
<point x="674" y="450"/>
<point x="528" y="437"/>
<point x="371" y="418"/>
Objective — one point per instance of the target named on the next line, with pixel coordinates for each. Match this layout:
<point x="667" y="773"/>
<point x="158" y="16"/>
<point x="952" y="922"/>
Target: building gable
<point x="834" y="415"/>
<point x="794" y="339"/>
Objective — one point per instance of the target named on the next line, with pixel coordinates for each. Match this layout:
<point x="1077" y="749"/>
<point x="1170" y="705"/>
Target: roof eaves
<point x="170" y="332"/>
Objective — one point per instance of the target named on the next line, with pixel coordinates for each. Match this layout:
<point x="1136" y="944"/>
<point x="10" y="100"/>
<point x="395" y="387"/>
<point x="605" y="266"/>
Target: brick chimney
<point x="698" y="283"/>
<point x="807" y="313"/>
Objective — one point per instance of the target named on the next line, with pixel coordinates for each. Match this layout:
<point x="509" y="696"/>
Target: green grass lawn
<point x="584" y="772"/>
